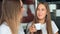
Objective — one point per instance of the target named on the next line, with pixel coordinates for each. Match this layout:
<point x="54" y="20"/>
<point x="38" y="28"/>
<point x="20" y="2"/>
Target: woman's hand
<point x="32" y="29"/>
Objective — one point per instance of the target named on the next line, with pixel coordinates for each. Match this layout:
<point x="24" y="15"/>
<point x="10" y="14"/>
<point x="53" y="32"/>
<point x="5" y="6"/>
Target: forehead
<point x="41" y="6"/>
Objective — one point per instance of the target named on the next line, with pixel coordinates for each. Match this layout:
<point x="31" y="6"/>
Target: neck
<point x="42" y="21"/>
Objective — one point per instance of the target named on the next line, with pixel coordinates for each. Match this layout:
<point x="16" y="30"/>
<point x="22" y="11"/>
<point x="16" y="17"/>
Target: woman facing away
<point x="42" y="24"/>
<point x="10" y="20"/>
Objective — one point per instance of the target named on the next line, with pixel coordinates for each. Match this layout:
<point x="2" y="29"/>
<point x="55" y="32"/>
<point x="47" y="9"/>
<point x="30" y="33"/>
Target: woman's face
<point x="41" y="11"/>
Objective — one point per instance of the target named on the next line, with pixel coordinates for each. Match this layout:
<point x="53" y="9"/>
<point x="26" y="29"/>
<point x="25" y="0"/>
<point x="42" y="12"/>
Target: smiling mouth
<point x="39" y="15"/>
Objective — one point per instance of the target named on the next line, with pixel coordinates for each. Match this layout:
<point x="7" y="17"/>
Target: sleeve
<point x="54" y="27"/>
<point x="21" y="30"/>
<point x="5" y="29"/>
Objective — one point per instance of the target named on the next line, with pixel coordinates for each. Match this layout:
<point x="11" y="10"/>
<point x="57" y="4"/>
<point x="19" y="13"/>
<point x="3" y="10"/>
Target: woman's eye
<point x="42" y="9"/>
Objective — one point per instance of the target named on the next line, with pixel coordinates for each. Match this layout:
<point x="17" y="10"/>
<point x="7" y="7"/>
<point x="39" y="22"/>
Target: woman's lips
<point x="39" y="15"/>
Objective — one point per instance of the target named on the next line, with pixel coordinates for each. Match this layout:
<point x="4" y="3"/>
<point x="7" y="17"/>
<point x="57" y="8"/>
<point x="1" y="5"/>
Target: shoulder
<point x="52" y="21"/>
<point x="5" y="28"/>
<point x="4" y="25"/>
<point x="54" y="27"/>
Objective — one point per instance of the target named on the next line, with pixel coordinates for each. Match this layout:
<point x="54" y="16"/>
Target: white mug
<point x="38" y="26"/>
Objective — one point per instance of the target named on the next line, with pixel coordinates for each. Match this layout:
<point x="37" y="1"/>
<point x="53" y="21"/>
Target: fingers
<point x="32" y="29"/>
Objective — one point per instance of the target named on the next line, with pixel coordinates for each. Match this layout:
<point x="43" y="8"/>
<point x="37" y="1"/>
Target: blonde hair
<point x="11" y="14"/>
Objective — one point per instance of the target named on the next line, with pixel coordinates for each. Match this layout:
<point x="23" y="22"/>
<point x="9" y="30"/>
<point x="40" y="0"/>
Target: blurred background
<point x="30" y="6"/>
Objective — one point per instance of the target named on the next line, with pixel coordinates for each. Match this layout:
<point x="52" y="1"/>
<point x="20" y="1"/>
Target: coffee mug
<point x="38" y="26"/>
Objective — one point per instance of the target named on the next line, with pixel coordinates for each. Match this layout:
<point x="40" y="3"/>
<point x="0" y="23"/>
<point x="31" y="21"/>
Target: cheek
<point x="38" y="13"/>
<point x="22" y="10"/>
<point x="44" y="12"/>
